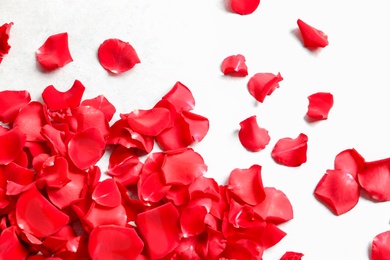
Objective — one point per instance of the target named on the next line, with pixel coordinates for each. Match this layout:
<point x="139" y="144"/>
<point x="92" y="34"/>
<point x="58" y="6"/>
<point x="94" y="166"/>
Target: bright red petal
<point x="319" y="105"/>
<point x="30" y="120"/>
<point x="375" y="179"/>
<point x="100" y="215"/>
<point x="57" y="100"/>
<point x="106" y="193"/>
<point x="54" y="173"/>
<point x="101" y="103"/>
<point x="244" y="7"/>
<point x="192" y="220"/>
<point x="151" y="188"/>
<point x="349" y="161"/>
<point x="312" y="37"/>
<point x="198" y="125"/>
<point x="181" y="97"/>
<point x="234" y="66"/>
<point x="54" y="53"/>
<point x="4" y="37"/>
<point x="176" y="137"/>
<point x="117" y="56"/>
<point x="338" y="190"/>
<point x="11" y="144"/>
<point x="380" y="247"/>
<point x="291" y="152"/>
<point x="10" y="246"/>
<point x="262" y="84"/>
<point x="11" y="101"/>
<point x="272" y="235"/>
<point x="90" y="117"/>
<point x="149" y="122"/>
<point x="253" y="137"/>
<point x="292" y="256"/>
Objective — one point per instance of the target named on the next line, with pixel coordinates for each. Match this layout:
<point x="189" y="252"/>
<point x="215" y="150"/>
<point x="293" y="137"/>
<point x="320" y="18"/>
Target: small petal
<point x="181" y="97"/>
<point x="262" y="84"/>
<point x="57" y="100"/>
<point x="90" y="117"/>
<point x="4" y="37"/>
<point x="234" y="66"/>
<point x="11" y="144"/>
<point x="251" y="136"/>
<point x="272" y="235"/>
<point x="289" y="255"/>
<point x="11" y="101"/>
<point x="149" y="122"/>
<point x="319" y="105"/>
<point x="291" y="152"/>
<point x="380" y="246"/>
<point x="312" y="37"/>
<point x="244" y="7"/>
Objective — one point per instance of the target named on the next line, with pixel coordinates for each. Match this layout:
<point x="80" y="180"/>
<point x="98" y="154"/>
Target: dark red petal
<point x="30" y="120"/>
<point x="312" y="37"/>
<point x="106" y="193"/>
<point x="234" y="66"/>
<point x="100" y="215"/>
<point x="10" y="246"/>
<point x="90" y="117"/>
<point x="4" y="37"/>
<point x="338" y="190"/>
<point x="350" y="161"/>
<point x="262" y="84"/>
<point x="198" y="125"/>
<point x="38" y="216"/>
<point x="192" y="220"/>
<point x="86" y="148"/>
<point x="375" y="179"/>
<point x="54" y="173"/>
<point x="319" y="105"/>
<point x="11" y="144"/>
<point x="244" y="7"/>
<point x="152" y="230"/>
<point x="113" y="242"/>
<point x="117" y="56"/>
<point x="57" y="100"/>
<point x="149" y="122"/>
<point x="289" y="255"/>
<point x="291" y="152"/>
<point x="54" y="53"/>
<point x="380" y="247"/>
<point x="247" y="185"/>
<point x="11" y="101"/>
<point x="253" y="137"/>
<point x="176" y="137"/>
<point x="181" y="97"/>
<point x="101" y="103"/>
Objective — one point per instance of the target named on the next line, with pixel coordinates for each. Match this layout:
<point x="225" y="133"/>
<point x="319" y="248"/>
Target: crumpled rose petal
<point x="291" y="152"/>
<point x="312" y="37"/>
<point x="54" y="53"/>
<point x="380" y="249"/>
<point x="117" y="56"/>
<point x="338" y="190"/>
<point x="11" y="101"/>
<point x="244" y="7"/>
<point x="57" y="100"/>
<point x="11" y="144"/>
<point x="149" y="122"/>
<point x="252" y="136"/>
<point x="151" y="229"/>
<point x="350" y="161"/>
<point x="30" y="120"/>
<point x="235" y="66"/>
<point x="4" y="37"/>
<point x="181" y="97"/>
<point x="106" y="193"/>
<point x="10" y="246"/>
<point x="262" y="84"/>
<point x="101" y="103"/>
<point x="319" y="105"/>
<point x="113" y="242"/>
<point x="289" y="255"/>
<point x="54" y="173"/>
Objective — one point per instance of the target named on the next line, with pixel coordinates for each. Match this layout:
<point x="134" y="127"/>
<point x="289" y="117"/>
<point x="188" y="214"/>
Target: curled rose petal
<point x="197" y="124"/>
<point x="289" y="255"/>
<point x="176" y="137"/>
<point x="319" y="105"/>
<point x="4" y="37"/>
<point x="106" y="193"/>
<point x="338" y="190"/>
<point x="234" y="66"/>
<point x="244" y="7"/>
<point x="101" y="103"/>
<point x="57" y="100"/>
<point x="262" y="84"/>
<point x="11" y="144"/>
<point x="117" y="56"/>
<point x="350" y="161"/>
<point x="10" y="246"/>
<point x="11" y="101"/>
<point x="291" y="152"/>
<point x="181" y="97"/>
<point x="54" y="172"/>
<point x="253" y="137"/>
<point x="312" y="37"/>
<point x="149" y="122"/>
<point x="30" y="120"/>
<point x="54" y="53"/>
<point x="380" y="249"/>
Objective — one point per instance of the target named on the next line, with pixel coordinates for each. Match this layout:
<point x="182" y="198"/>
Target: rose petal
<point x="100" y="215"/>
<point x="117" y="56"/>
<point x="380" y="249"/>
<point x="243" y="216"/>
<point x="149" y="122"/>
<point x="54" y="139"/>
<point x="54" y="173"/>
<point x="4" y="37"/>
<point x="289" y="255"/>
<point x="262" y="84"/>
<point x="375" y="179"/>
<point x="11" y="144"/>
<point x="152" y="230"/>
<point x="291" y="152"/>
<point x="54" y="53"/>
<point x="181" y="97"/>
<point x="90" y="117"/>
<point x="349" y="161"/>
<point x="152" y="188"/>
<point x="244" y="7"/>
<point x="101" y="103"/>
<point x="192" y="220"/>
<point x="319" y="105"/>
<point x="251" y="136"/>
<point x="272" y="235"/>
<point x="203" y="187"/>
<point x="10" y="246"/>
<point x="106" y="193"/>
<point x="176" y="137"/>
<point x="312" y="37"/>
<point x="234" y="66"/>
<point x="113" y="242"/>
<point x="197" y="124"/>
<point x="11" y="101"/>
<point x="57" y="100"/>
<point x="338" y="190"/>
<point x="164" y="103"/>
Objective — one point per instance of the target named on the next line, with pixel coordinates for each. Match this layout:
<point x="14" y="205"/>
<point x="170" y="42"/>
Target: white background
<point x="183" y="40"/>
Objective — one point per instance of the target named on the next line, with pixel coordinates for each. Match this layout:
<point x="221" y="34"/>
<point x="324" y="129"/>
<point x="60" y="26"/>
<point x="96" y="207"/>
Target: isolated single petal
<point x="289" y="255"/>
<point x="106" y="193"/>
<point x="291" y="152"/>
<point x="181" y="97"/>
<point x="252" y="136"/>
<point x="235" y="66"/>
<point x="319" y="105"/>
<point x="11" y="101"/>
<point x="380" y="246"/>
<point x="90" y="117"/>
<point x="54" y="53"/>
<point x="117" y="56"/>
<point x="244" y="7"/>
<point x="149" y="122"/>
<point x="4" y="37"/>
<point x="100" y="215"/>
<point x="312" y="37"/>
<point x="262" y="84"/>
<point x="11" y="143"/>
<point x="57" y="100"/>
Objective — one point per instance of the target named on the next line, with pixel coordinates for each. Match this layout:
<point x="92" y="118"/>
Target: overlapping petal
<point x="261" y="85"/>
<point x="235" y="66"/>
<point x="252" y="136"/>
<point x="291" y="152"/>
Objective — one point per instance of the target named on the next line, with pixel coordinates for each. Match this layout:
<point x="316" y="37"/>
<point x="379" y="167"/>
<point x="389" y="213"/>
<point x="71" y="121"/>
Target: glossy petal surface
<point x="149" y="122"/>
<point x="106" y="193"/>
<point x="235" y="66"/>
<point x="252" y="136"/>
<point x="262" y="84"/>
<point x="380" y="246"/>
<point x="312" y="37"/>
<point x="290" y="152"/>
<point x="12" y="143"/>
<point x="11" y="101"/>
<point x="319" y="105"/>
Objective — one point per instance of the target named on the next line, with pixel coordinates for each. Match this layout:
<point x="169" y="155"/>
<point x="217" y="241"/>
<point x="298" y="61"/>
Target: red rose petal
<point x="11" y="144"/>
<point x="54" y="53"/>
<point x="10" y="246"/>
<point x="4" y="37"/>
<point x="244" y="7"/>
<point x="117" y="56"/>
<point x="106" y="193"/>
<point x="349" y="161"/>
<point x="149" y="122"/>
<point x="57" y="100"/>
<point x="338" y="190"/>
<point x="86" y="148"/>
<point x="319" y="105"/>
<point x="176" y="137"/>
<point x="247" y="185"/>
<point x="101" y="103"/>
<point x="11" y="101"/>
<point x="197" y="124"/>
<point x="289" y="255"/>
<point x="262" y="84"/>
<point x="312" y="37"/>
<point x="243" y="249"/>
<point x="380" y="249"/>
<point x="164" y="103"/>
<point x="253" y="137"/>
<point x="160" y="224"/>
<point x="152" y="188"/>
<point x="90" y="117"/>
<point x="290" y="152"/>
<point x="100" y="215"/>
<point x="234" y="66"/>
<point x="181" y="97"/>
<point x="38" y="216"/>
<point x="272" y="235"/>
<point x="243" y="216"/>
<point x="54" y="173"/>
<point x="192" y="220"/>
<point x="113" y="242"/>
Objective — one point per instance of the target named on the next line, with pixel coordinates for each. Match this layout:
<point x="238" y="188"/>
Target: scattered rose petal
<point x="319" y="105"/>
<point x="149" y="122"/>
<point x="380" y="249"/>
<point x="176" y="137"/>
<point x="54" y="53"/>
<point x="90" y="117"/>
<point x="107" y="194"/>
<point x="289" y="255"/>
<point x="253" y="137"/>
<point x="30" y="120"/>
<point x="117" y="56"/>
<point x="181" y="97"/>
<point x="11" y="101"/>
<point x="197" y="124"/>
<point x="11" y="143"/>
<point x="262" y="84"/>
<point x="244" y="7"/>
<point x="100" y="215"/>
<point x="4" y="37"/>
<point x="101" y="103"/>
<point x="291" y="152"/>
<point x="349" y="161"/>
<point x="54" y="173"/>
<point x="272" y="235"/>
<point x="56" y="100"/>
<point x="10" y="246"/>
<point x="234" y="66"/>
<point x="312" y="37"/>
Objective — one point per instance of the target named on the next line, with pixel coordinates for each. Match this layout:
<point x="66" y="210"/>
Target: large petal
<point x="262" y="84"/>
<point x="291" y="152"/>
<point x="11" y="143"/>
<point x="149" y="122"/>
<point x="252" y="136"/>
<point x="181" y="97"/>
<point x="10" y="246"/>
<point x="350" y="161"/>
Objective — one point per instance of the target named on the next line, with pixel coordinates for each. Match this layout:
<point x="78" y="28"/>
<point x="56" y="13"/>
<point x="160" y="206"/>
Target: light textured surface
<point x="183" y="40"/>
